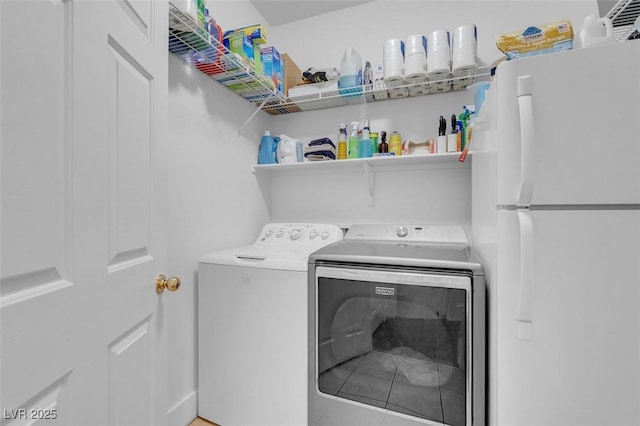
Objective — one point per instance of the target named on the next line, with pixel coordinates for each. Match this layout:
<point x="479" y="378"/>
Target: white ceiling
<point x="277" y="12"/>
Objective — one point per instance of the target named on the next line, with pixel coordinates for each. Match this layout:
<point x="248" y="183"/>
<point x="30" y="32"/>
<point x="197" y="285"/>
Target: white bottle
<point x="350" y="82"/>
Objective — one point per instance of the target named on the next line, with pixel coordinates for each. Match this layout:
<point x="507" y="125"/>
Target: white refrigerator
<point x="556" y="223"/>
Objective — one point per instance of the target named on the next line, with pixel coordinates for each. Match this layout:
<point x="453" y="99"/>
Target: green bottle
<point x="354" y="143"/>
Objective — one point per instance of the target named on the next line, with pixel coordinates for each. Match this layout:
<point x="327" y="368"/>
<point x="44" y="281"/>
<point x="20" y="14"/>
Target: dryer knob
<point x="402" y="231"/>
<point x="296" y="234"/>
<point x="324" y="235"/>
<point x="313" y="235"/>
<point x="279" y="234"/>
<point x="268" y="233"/>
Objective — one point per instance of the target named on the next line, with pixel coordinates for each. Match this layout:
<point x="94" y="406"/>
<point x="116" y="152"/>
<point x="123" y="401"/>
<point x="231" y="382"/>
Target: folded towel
<point x="319" y="157"/>
<point x="325" y="150"/>
<point x="323" y="147"/>
<point x="322" y="142"/>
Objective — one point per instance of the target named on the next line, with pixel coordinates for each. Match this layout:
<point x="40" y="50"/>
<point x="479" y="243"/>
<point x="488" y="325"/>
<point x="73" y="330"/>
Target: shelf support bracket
<point x="255" y="112"/>
<point x="369" y="174"/>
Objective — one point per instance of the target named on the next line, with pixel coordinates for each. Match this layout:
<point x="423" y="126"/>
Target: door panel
<point x="83" y="221"/>
<point x="129" y="166"/>
<point x="585" y="320"/>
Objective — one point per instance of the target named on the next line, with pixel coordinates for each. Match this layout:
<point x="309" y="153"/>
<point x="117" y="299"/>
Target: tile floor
<point x="401" y="380"/>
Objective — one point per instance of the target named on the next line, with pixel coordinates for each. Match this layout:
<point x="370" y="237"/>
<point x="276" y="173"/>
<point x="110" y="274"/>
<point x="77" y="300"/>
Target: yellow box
<point x="534" y="40"/>
<point x="256" y="33"/>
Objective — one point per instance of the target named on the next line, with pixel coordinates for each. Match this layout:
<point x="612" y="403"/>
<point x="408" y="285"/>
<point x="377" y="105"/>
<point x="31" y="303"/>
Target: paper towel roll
<point x="393" y="60"/>
<point x="464" y="47"/>
<point x="415" y="62"/>
<point x="438" y="52"/>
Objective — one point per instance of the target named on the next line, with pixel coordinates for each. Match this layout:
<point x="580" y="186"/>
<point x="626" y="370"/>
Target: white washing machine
<point x="252" y="327"/>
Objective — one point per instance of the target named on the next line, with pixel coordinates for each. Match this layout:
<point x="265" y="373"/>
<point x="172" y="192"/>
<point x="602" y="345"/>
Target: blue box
<point x="273" y="66"/>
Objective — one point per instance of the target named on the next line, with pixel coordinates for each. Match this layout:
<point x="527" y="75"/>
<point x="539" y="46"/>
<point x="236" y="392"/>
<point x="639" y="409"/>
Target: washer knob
<point x="295" y="234"/>
<point x="402" y="231"/>
<point x="268" y="233"/>
<point x="313" y="235"/>
<point x="280" y="234"/>
<point x="324" y="235"/>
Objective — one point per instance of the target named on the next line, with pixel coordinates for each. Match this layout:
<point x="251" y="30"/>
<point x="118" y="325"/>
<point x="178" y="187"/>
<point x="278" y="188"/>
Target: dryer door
<point x="397" y="340"/>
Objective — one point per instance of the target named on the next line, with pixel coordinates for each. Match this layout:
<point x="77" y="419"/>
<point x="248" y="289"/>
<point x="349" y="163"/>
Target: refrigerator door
<point x="566" y="127"/>
<point x="575" y="359"/>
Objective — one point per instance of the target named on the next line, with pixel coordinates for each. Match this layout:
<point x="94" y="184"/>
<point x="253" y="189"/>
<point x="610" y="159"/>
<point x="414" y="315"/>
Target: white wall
<point x="216" y="202"/>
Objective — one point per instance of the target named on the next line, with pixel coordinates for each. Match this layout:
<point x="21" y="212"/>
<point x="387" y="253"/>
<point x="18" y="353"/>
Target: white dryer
<point x="252" y="327"/>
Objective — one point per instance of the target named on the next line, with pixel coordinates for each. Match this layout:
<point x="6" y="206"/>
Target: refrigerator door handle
<point x="527" y="139"/>
<point x="524" y="315"/>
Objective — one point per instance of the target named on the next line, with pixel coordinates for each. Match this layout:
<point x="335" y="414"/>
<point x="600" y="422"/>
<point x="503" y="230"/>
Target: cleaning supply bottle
<point x="365" y="149"/>
<point x="395" y="144"/>
<point x="353" y="141"/>
<point x="350" y="83"/>
<point x="342" y="142"/>
<point x="383" y="148"/>
<point x="215" y="38"/>
<point x="268" y="147"/>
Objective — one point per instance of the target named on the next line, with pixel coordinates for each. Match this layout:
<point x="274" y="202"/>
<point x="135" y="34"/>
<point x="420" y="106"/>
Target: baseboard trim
<point x="184" y="411"/>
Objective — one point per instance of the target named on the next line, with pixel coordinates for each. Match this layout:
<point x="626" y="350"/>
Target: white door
<point x="84" y="87"/>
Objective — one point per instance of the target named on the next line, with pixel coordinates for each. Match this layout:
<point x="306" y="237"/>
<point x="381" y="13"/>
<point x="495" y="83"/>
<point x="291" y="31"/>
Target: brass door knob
<point x="171" y="284"/>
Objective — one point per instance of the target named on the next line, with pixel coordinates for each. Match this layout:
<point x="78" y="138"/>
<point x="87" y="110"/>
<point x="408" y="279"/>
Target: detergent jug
<point x="595" y="31"/>
<point x="350" y="83"/>
<point x="289" y="150"/>
<point x="267" y="151"/>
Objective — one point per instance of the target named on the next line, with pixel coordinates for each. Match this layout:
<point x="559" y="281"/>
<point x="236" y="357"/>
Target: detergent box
<point x="256" y="33"/>
<point x="242" y="47"/>
<point x="273" y="66"/>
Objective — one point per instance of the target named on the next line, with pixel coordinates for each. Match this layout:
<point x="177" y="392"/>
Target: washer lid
<point x="422" y="255"/>
<point x="252" y="257"/>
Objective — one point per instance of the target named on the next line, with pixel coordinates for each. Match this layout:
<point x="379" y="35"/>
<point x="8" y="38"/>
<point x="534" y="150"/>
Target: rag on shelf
<point x="320" y="149"/>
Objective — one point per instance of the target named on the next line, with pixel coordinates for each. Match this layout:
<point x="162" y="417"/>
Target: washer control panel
<point x="303" y="236"/>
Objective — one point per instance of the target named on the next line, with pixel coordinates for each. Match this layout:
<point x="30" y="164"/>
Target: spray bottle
<point x="464" y="120"/>
<point x="354" y="151"/>
<point x="365" y="149"/>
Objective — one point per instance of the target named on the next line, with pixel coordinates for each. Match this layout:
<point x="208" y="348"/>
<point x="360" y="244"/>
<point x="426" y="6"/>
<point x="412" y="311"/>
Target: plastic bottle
<point x="353" y="141"/>
<point x="374" y="142"/>
<point x="268" y="147"/>
<point x="368" y="76"/>
<point x="210" y="54"/>
<point x="342" y="142"/>
<point x="365" y="149"/>
<point x="350" y="83"/>
<point x="395" y="144"/>
<point x="383" y="148"/>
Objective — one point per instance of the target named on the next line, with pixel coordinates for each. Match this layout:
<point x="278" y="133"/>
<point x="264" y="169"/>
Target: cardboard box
<point x="239" y="44"/>
<point x="272" y="66"/>
<point x="292" y="74"/>
<point x="256" y="33"/>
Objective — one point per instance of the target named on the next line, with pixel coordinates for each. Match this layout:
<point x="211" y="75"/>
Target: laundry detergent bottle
<point x="268" y="148"/>
<point x="350" y="83"/>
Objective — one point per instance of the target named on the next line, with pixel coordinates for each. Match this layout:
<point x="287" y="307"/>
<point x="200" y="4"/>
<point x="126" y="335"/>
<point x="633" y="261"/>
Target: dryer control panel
<point x="409" y="233"/>
<point x="307" y="237"/>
